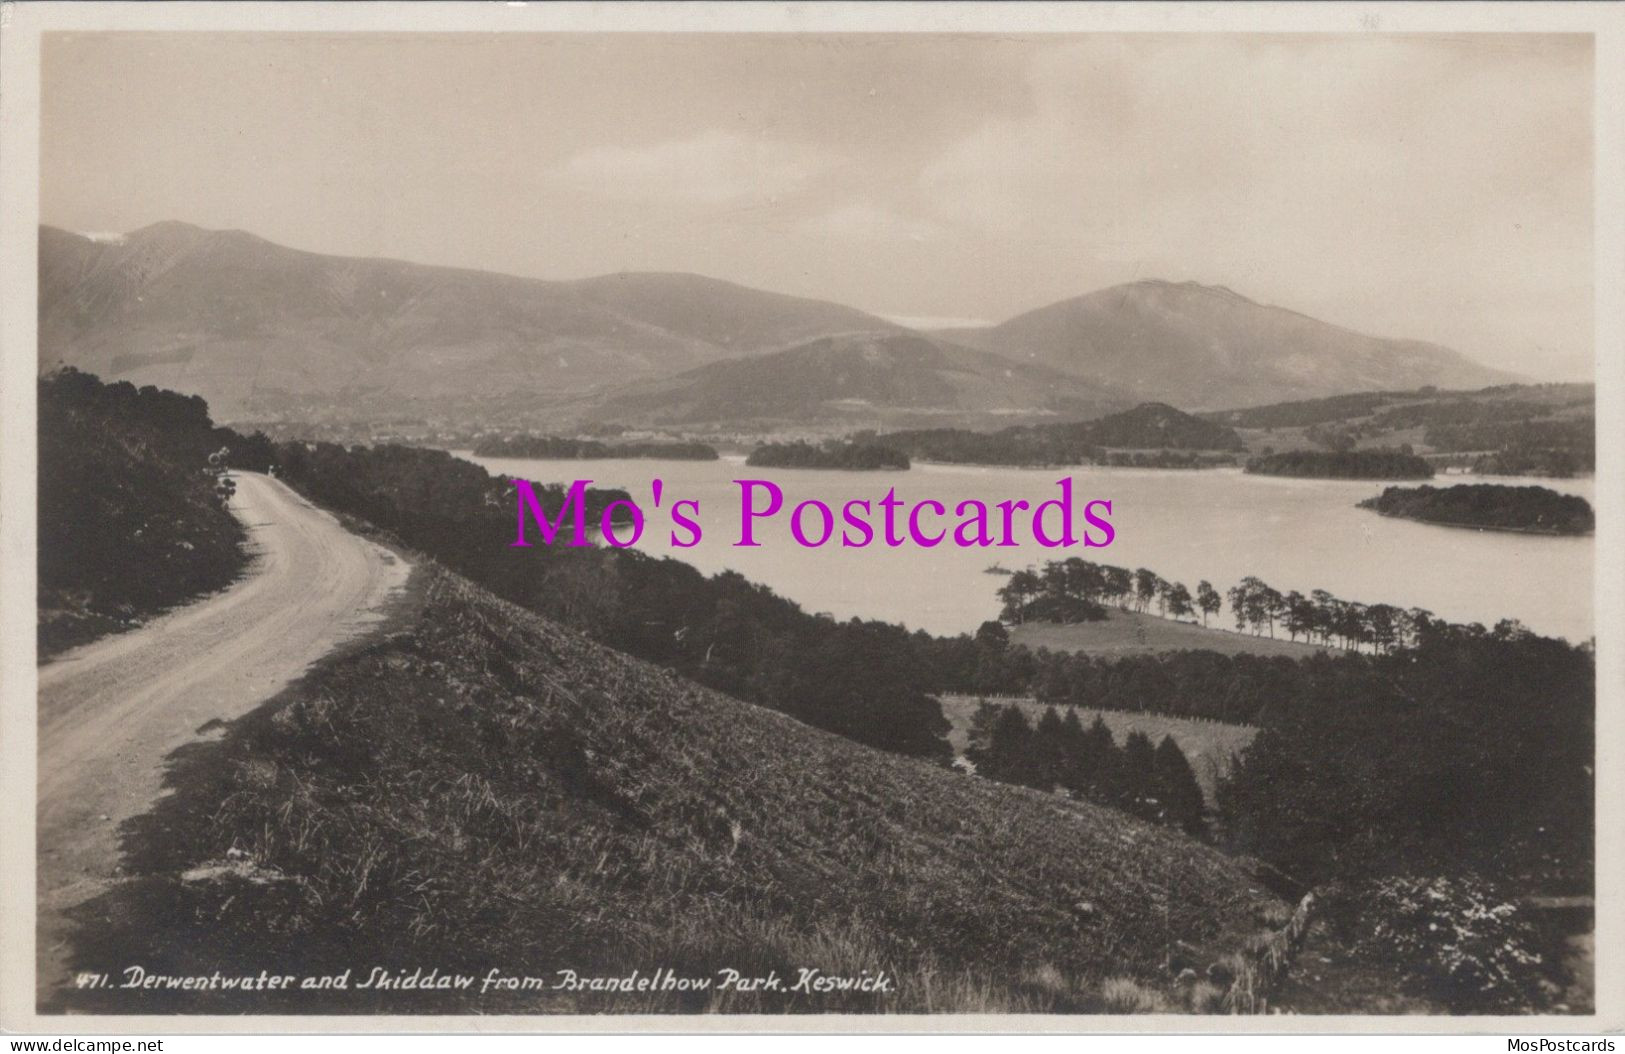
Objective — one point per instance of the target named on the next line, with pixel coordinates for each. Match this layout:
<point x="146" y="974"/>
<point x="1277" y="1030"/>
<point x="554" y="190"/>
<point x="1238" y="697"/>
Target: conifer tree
<point x="1136" y="785"/>
<point x="1175" y="787"/>
<point x="1008" y="757"/>
<point x="1047" y="750"/>
<point x="1101" y="762"/>
<point x="1073" y="774"/>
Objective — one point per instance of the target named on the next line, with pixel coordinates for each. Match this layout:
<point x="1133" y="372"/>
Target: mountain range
<point x="263" y="331"/>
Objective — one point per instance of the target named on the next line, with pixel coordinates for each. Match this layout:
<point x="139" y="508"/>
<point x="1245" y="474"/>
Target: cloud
<point x="712" y="168"/>
<point x="864" y="221"/>
<point x="1417" y="187"/>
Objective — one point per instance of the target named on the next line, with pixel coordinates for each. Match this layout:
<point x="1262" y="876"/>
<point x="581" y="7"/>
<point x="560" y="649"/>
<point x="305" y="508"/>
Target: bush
<point x="1456" y="940"/>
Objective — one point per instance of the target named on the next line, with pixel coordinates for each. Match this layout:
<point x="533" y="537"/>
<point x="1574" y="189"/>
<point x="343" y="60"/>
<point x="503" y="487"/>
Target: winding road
<point x="110" y="712"/>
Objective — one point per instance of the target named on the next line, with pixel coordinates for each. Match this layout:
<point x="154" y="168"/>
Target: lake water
<point x="1221" y="525"/>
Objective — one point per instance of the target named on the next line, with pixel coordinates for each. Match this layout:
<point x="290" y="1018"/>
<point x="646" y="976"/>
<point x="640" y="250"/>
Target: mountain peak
<point x="1203" y="347"/>
<point x="1186" y="288"/>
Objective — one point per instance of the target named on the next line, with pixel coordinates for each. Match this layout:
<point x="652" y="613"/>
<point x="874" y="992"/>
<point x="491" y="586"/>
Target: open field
<point x="1208" y="745"/>
<point x="1131" y="633"/>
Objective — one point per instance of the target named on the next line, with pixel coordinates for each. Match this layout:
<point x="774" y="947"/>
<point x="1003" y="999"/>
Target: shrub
<point x="1455" y="940"/>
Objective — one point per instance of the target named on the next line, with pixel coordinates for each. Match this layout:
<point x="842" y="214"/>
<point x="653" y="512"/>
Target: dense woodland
<point x="1538" y="510"/>
<point x="850" y="456"/>
<point x="540" y="446"/>
<point x="1154" y="783"/>
<point x="1342" y="464"/>
<point x="1147" y="435"/>
<point x="128" y="520"/>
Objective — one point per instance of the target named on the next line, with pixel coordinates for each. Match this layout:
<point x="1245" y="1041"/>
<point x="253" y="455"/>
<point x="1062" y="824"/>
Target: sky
<point x="1434" y="187"/>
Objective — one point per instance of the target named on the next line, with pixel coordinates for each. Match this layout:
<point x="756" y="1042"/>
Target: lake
<point x="1217" y="524"/>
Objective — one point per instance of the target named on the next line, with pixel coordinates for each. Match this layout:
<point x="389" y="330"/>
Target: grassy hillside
<point x="491" y="790"/>
<point x="859" y="380"/>
<point x="128" y="523"/>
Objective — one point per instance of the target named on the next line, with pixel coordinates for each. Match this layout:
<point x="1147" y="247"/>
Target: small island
<point x="1343" y="464"/>
<point x="583" y="449"/>
<point x="837" y="454"/>
<point x="1489" y="507"/>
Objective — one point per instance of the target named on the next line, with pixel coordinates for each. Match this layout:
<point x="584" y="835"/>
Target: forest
<point x="1490" y="506"/>
<point x="1342" y="464"/>
<point x="1147" y="436"/>
<point x="557" y="447"/>
<point x="834" y="453"/>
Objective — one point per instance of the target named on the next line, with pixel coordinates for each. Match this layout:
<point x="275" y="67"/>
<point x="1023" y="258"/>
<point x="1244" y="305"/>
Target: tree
<point x="1179" y="600"/>
<point x="982" y="723"/>
<point x="1145" y="586"/>
<point x="1207" y="598"/>
<point x="1022" y="587"/>
<point x="993" y="636"/>
<point x="1073" y="740"/>
<point x="1237" y="595"/>
<point x="1048" y="750"/>
<point x="1136" y="783"/>
<point x="1174" y="784"/>
<point x="1008" y="757"/>
<point x="1119" y="584"/>
<point x="1100" y="774"/>
<point x="1299" y="615"/>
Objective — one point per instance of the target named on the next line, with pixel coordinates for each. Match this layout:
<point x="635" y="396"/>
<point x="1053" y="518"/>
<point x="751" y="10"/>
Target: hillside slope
<point x="263" y="330"/>
<point x="1206" y="347"/>
<point x="489" y="789"/>
<point x="863" y="380"/>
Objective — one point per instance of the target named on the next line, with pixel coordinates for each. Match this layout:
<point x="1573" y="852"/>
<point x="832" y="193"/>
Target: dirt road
<point x="112" y="710"/>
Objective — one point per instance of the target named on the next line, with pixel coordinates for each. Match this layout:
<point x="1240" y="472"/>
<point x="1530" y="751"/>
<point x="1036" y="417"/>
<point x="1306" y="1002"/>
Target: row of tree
<point x="1074" y="590"/>
<point x="1156" y="783"/>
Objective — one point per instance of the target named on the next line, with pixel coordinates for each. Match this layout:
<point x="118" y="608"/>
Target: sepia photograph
<point x="1040" y="518"/>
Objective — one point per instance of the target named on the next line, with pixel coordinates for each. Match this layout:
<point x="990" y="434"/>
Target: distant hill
<point x="1160" y="426"/>
<point x="261" y="330"/>
<point x="1206" y="347"/>
<point x="1509" y="429"/>
<point x="1147" y="427"/>
<point x="861" y="381"/>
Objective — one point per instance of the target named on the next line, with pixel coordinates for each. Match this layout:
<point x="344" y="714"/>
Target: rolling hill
<point x="261" y="330"/>
<point x="1206" y="347"/>
<point x="863" y="380"/>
